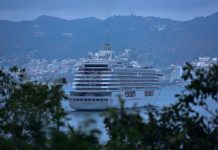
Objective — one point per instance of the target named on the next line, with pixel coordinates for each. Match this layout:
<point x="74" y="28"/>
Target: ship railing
<point x="84" y="71"/>
<point x="91" y="86"/>
<point x="135" y="75"/>
<point x="84" y="88"/>
<point x="93" y="90"/>
<point x="91" y="75"/>
<point x="115" y="80"/>
<point x="113" y="83"/>
<point x="93" y="82"/>
<point x="90" y="96"/>
<point x="97" y="79"/>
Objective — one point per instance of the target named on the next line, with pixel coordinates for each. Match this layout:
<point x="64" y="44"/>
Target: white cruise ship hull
<point x="102" y="103"/>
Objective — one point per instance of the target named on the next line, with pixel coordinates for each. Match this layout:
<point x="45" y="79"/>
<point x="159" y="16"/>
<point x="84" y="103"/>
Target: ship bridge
<point x="106" y="52"/>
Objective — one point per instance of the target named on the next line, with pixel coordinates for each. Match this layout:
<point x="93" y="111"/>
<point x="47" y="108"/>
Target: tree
<point x="31" y="116"/>
<point x="28" y="109"/>
<point x="178" y="126"/>
<point x="74" y="139"/>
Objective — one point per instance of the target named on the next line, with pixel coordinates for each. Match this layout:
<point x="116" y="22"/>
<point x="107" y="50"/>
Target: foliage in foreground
<point x="31" y="117"/>
<point x="190" y="123"/>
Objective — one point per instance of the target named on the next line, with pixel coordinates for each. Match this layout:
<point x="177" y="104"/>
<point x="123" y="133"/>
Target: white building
<point x="176" y="73"/>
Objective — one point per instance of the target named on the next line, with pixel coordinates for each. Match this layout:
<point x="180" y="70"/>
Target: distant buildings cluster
<point x="42" y="69"/>
<point x="173" y="75"/>
<point x="205" y="62"/>
<point x="175" y="72"/>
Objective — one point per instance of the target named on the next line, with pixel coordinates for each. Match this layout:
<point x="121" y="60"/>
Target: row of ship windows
<point x="90" y="94"/>
<point x="104" y="75"/>
<point x="115" y="83"/>
<point x="100" y="79"/>
<point x="95" y="73"/>
<point x="123" y="80"/>
<point x="120" y="75"/>
<point x="109" y="71"/>
<point x="104" y="70"/>
<point x="90" y="99"/>
<point x="133" y="94"/>
<point x="91" y="88"/>
<point x="128" y="80"/>
<point x="95" y="69"/>
<point x="120" y="84"/>
<point x="117" y="70"/>
<point x="96" y="65"/>
<point x="115" y="77"/>
<point x="148" y="93"/>
<point x="130" y="94"/>
<point x="133" y="70"/>
<point x="96" y="88"/>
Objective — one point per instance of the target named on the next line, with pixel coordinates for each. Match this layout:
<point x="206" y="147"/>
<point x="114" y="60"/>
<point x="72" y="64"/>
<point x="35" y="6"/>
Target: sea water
<point x="78" y="119"/>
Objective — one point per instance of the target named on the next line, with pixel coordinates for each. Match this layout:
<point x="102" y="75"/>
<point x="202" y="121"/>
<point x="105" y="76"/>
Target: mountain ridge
<point x="156" y="38"/>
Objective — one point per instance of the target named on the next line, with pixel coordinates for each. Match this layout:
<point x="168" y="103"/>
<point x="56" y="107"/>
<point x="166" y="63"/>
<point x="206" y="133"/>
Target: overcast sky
<point x="72" y="9"/>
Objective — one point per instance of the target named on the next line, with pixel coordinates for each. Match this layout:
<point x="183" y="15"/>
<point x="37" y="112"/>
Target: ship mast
<point x="107" y="47"/>
<point x="106" y="52"/>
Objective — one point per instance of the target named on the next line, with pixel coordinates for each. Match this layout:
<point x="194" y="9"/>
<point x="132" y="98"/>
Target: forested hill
<point x="160" y="40"/>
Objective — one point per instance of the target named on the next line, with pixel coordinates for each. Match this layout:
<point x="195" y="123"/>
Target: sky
<point x="17" y="10"/>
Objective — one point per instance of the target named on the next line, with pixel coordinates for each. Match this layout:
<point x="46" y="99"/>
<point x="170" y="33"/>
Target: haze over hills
<point x="160" y="40"/>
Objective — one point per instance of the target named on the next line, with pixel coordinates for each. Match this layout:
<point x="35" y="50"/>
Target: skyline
<point x="102" y="9"/>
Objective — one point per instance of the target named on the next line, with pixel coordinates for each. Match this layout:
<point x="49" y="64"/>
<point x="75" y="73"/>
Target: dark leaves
<point x="31" y="117"/>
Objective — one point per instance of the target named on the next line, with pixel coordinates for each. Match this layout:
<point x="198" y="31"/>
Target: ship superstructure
<point x="101" y="82"/>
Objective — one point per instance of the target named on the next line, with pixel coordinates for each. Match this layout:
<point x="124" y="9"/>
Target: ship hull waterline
<point x="113" y="102"/>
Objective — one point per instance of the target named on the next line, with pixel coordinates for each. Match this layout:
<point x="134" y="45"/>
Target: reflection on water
<point x="76" y="118"/>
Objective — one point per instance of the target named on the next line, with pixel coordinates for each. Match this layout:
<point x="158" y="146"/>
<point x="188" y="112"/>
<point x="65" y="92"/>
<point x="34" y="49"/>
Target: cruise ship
<point x="104" y="80"/>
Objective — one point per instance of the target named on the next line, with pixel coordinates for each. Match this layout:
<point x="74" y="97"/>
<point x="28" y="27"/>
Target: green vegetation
<point x="31" y="117"/>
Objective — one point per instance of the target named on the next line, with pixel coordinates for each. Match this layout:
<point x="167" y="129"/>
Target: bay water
<point x="78" y="119"/>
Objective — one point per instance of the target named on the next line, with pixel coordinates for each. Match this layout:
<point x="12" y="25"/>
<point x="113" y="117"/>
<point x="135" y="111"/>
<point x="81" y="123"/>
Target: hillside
<point x="160" y="40"/>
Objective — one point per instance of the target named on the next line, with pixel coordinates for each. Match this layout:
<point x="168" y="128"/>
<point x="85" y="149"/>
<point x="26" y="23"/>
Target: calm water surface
<point x="77" y="118"/>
